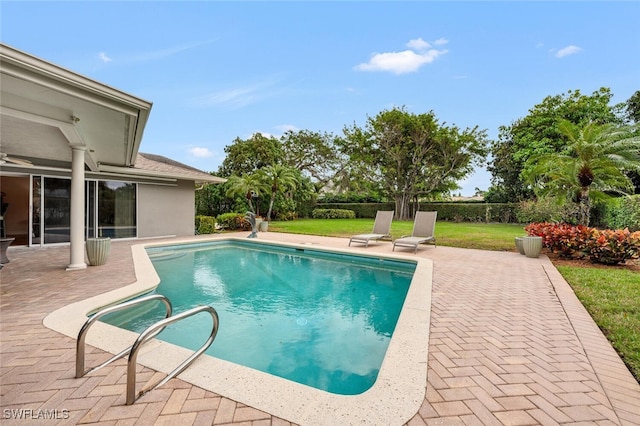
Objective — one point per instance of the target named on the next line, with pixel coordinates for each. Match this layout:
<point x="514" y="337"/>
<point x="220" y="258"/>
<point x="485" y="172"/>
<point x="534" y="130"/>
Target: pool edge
<point x="395" y="398"/>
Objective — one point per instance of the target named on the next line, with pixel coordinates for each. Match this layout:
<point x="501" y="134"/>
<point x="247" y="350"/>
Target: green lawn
<point x="612" y="298"/>
<point x="469" y="235"/>
<point x="610" y="294"/>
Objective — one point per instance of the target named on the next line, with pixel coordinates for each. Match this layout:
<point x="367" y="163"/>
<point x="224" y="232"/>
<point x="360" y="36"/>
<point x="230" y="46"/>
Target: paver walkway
<point x="509" y="345"/>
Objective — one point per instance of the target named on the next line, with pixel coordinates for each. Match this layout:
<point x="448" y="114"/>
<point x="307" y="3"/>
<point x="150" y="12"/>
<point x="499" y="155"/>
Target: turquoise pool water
<point x="319" y="318"/>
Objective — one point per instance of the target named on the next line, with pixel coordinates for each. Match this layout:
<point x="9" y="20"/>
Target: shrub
<point x="601" y="246"/>
<point x="291" y="215"/>
<point x="543" y="210"/>
<point x="613" y="247"/>
<point x="623" y="212"/>
<point x="367" y="210"/>
<point x="333" y="214"/>
<point x="351" y="197"/>
<point x="566" y="240"/>
<point x="233" y="221"/>
<point x="549" y="210"/>
<point x="205" y="224"/>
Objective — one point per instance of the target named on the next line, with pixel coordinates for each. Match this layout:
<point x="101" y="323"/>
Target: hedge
<point x="454" y="212"/>
<point x="333" y="214"/>
<point x="623" y="212"/>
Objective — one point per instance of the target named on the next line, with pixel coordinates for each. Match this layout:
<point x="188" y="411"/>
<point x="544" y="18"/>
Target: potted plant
<point x="98" y="250"/>
<point x="532" y="246"/>
<point x="519" y="245"/>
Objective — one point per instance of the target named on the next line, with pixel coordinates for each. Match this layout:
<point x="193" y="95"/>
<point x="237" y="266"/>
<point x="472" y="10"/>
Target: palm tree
<point x="249" y="186"/>
<point x="280" y="178"/>
<point x="593" y="165"/>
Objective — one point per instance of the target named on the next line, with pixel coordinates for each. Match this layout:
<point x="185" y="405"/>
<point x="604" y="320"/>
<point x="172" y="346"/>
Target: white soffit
<point x="46" y="109"/>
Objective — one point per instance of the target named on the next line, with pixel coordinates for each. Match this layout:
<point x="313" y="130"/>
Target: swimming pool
<point x="321" y="319"/>
<point x="395" y="397"/>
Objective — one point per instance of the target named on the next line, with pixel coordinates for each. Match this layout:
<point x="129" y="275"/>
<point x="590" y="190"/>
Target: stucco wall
<point x="166" y="210"/>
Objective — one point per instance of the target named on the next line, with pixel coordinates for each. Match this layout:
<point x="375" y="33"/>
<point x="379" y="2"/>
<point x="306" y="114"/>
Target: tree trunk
<point x="584" y="207"/>
<point x="402" y="207"/>
<point x="273" y="197"/>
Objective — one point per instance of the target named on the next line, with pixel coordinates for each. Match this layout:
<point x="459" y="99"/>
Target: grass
<point x="610" y="294"/>
<point x="497" y="236"/>
<point x="612" y="298"/>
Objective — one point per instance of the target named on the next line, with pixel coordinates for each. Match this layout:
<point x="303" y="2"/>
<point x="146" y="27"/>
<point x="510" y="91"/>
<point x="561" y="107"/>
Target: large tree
<point x="313" y="153"/>
<point x="412" y="154"/>
<point x="591" y="166"/>
<point x="247" y="156"/>
<point x="633" y="107"/>
<point x="538" y="134"/>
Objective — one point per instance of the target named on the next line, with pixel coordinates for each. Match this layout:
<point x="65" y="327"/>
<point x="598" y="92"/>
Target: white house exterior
<point x="70" y="167"/>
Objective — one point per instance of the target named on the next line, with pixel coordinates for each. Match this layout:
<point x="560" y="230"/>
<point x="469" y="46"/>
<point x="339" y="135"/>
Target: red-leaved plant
<point x="613" y="247"/>
<point x="575" y="242"/>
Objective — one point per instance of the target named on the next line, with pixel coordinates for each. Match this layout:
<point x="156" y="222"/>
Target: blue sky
<point x="216" y="71"/>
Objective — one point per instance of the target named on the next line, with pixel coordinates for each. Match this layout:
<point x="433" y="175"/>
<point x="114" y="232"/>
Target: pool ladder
<point x="144" y="337"/>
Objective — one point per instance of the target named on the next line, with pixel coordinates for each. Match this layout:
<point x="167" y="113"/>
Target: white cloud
<point x="441" y="42"/>
<point x="400" y="62"/>
<point x="419" y="53"/>
<point x="200" y="152"/>
<point x="104" y="58"/>
<point x="418" y="44"/>
<point x="569" y="50"/>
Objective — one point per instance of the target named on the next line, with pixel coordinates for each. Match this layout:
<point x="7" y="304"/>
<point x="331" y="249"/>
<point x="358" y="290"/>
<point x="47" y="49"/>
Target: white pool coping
<point x="395" y="397"/>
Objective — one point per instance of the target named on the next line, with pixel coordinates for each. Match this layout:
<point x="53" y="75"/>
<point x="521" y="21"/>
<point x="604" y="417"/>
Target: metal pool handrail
<point x="85" y="328"/>
<point x="153" y="330"/>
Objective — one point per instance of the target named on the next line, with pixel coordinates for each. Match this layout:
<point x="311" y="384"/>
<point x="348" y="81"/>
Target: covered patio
<point x="70" y="166"/>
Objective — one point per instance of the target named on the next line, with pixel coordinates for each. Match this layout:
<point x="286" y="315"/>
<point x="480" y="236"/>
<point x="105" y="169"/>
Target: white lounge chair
<point x="424" y="226"/>
<point x="381" y="229"/>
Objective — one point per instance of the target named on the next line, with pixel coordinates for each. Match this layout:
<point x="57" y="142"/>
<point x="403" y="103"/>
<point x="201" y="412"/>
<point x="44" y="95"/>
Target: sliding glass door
<point x="51" y="208"/>
<point x="110" y="210"/>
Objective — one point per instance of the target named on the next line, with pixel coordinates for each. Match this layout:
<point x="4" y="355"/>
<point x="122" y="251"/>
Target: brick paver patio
<point x="509" y="345"/>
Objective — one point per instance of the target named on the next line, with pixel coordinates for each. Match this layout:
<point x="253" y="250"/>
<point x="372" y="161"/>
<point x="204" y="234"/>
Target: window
<point x="116" y="209"/>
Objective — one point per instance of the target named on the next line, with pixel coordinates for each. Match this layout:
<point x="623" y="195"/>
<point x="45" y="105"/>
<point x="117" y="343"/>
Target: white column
<point x="77" y="209"/>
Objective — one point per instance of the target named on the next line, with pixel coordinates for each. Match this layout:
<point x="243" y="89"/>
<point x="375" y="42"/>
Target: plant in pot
<point x="98" y="249"/>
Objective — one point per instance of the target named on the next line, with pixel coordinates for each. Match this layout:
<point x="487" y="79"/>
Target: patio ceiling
<point x="46" y="109"/>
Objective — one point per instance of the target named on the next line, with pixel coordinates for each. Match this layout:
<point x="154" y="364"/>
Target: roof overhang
<point x="139" y="173"/>
<point x="45" y="110"/>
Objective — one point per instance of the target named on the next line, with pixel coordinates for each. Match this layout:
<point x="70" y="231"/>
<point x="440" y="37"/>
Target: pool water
<point x="319" y="318"/>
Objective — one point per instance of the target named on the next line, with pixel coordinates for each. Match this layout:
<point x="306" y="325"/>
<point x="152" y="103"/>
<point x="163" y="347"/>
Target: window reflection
<point x="116" y="209"/>
<point x="57" y="210"/>
<point x="110" y="210"/>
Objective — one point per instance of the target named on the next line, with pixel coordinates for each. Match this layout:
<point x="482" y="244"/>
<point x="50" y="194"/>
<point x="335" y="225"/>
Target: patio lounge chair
<point x="381" y="229"/>
<point x="423" y="231"/>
